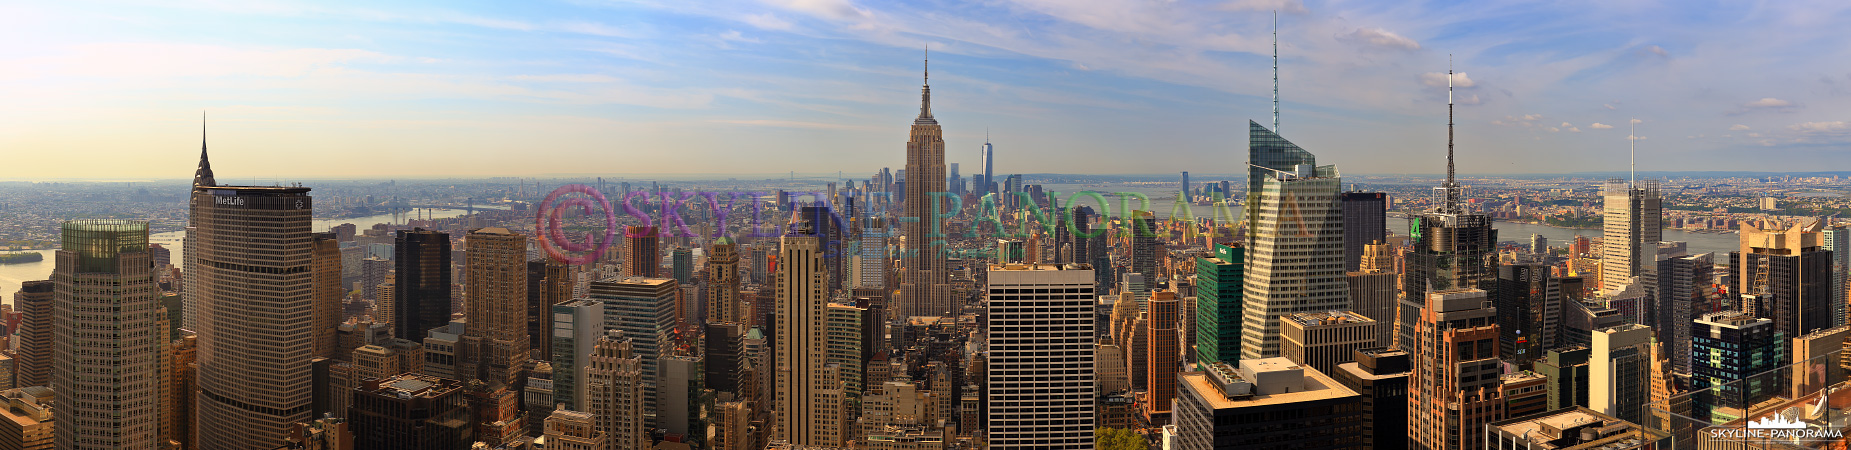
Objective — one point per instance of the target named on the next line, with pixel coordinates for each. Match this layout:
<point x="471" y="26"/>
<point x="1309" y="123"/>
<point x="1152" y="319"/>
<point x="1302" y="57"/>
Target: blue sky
<point x="420" y="89"/>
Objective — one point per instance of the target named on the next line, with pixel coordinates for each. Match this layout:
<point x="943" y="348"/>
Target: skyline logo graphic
<point x="1776" y="422"/>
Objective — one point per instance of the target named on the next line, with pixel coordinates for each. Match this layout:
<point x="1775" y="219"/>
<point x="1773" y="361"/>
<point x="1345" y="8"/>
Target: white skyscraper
<point x="1296" y="262"/>
<point x="1041" y="363"/>
<point x="1632" y="227"/>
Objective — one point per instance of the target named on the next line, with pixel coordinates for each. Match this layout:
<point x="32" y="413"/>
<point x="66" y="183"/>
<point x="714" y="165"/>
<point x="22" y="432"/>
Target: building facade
<point x="1295" y="259"/>
<point x="109" y="338"/>
<point x="1040" y="382"/>
<point x="252" y="307"/>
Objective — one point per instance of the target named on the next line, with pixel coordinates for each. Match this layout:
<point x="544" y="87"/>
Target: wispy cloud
<point x="1381" y="38"/>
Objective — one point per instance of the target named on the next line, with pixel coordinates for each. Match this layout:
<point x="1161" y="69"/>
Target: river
<point x="1720" y="243"/>
<point x="12" y="275"/>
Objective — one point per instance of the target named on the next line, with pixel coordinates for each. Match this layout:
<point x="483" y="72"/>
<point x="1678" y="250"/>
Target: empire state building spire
<point x="203" y="176"/>
<point x="925" y="95"/>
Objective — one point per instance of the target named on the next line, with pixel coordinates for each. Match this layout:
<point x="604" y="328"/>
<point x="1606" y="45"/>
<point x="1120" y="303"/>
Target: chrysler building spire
<point x="203" y="176"/>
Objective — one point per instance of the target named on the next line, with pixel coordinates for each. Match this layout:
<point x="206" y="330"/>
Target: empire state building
<point x="923" y="287"/>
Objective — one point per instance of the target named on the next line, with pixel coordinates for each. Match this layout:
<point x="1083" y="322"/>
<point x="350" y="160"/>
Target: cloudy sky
<point x="405" y="89"/>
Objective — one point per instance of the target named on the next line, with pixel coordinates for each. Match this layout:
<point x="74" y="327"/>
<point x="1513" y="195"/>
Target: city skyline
<point x="577" y="88"/>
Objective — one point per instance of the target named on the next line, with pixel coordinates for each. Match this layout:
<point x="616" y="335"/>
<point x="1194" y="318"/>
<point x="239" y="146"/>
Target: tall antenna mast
<point x="1632" y="164"/>
<point x="1452" y="184"/>
<point x="1275" y="71"/>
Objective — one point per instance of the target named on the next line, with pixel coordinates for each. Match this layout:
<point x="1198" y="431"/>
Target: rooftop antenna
<point x="1452" y="185"/>
<point x="1275" y="71"/>
<point x="1632" y="164"/>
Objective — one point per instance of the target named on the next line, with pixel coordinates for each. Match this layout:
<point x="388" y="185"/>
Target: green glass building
<point x="1218" y="305"/>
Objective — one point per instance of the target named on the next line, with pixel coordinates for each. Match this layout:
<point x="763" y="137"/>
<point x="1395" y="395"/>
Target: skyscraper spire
<point x="203" y="175"/>
<point x="925" y="93"/>
<point x="1632" y="163"/>
<point x="1452" y="185"/>
<point x="1275" y="71"/>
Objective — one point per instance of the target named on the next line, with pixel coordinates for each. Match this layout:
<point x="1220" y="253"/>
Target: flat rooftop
<point x="1318" y="386"/>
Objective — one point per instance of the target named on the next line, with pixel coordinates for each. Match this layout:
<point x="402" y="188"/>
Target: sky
<point x="329" y="89"/>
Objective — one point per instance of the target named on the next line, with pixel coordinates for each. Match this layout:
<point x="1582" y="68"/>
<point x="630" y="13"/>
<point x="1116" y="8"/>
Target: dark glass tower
<point x="1365" y="221"/>
<point x="422" y="298"/>
<point x="1529" y="305"/>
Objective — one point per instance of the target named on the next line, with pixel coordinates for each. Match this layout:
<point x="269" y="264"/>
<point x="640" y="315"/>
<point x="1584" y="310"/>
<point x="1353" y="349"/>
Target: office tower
<point x="1734" y="357"/>
<point x="410" y="411"/>
<point x="373" y="272"/>
<point x="1567" y="371"/>
<point x="574" y="430"/>
<point x="723" y="304"/>
<point x="924" y="288"/>
<point x="1041" y="367"/>
<point x="722" y="348"/>
<point x="1620" y="371"/>
<point x="732" y="424"/>
<point x="1266" y="403"/>
<point x="1453" y="390"/>
<point x="1297" y="221"/>
<point x="1184" y="194"/>
<point x="252" y="307"/>
<point x="1569" y="428"/>
<point x="642" y="257"/>
<point x="183" y="366"/>
<point x="108" y="343"/>
<point x="810" y="395"/>
<point x="1144" y="243"/>
<point x="1380" y="375"/>
<point x="420" y="282"/>
<point x="576" y="327"/>
<point x="1793" y="268"/>
<point x="1373" y="295"/>
<point x="328" y="293"/>
<point x="847" y="339"/>
<point x="1452" y="248"/>
<point x="1817" y="363"/>
<point x="1683" y="284"/>
<point x="1163" y="357"/>
<point x="644" y="309"/>
<point x="548" y="283"/>
<point x="1539" y="244"/>
<point x="1090" y="247"/>
<point x="828" y="229"/>
<point x="1631" y="229"/>
<point x="872" y="262"/>
<point x="26" y="420"/>
<point x="1529" y="304"/>
<point x="1365" y="221"/>
<point x="494" y="345"/>
<point x="761" y="259"/>
<point x="988" y="185"/>
<point x="33" y="359"/>
<point x="681" y="262"/>
<point x="1837" y="239"/>
<point x="1322" y="340"/>
<point x="677" y="391"/>
<point x="615" y="391"/>
<point x="1218" y="303"/>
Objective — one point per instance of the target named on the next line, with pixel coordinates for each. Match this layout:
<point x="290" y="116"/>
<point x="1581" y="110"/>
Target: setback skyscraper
<point x="810" y="391"/>
<point x="924" y="288"/>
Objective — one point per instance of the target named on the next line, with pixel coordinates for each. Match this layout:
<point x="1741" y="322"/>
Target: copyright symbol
<point x="547" y="216"/>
